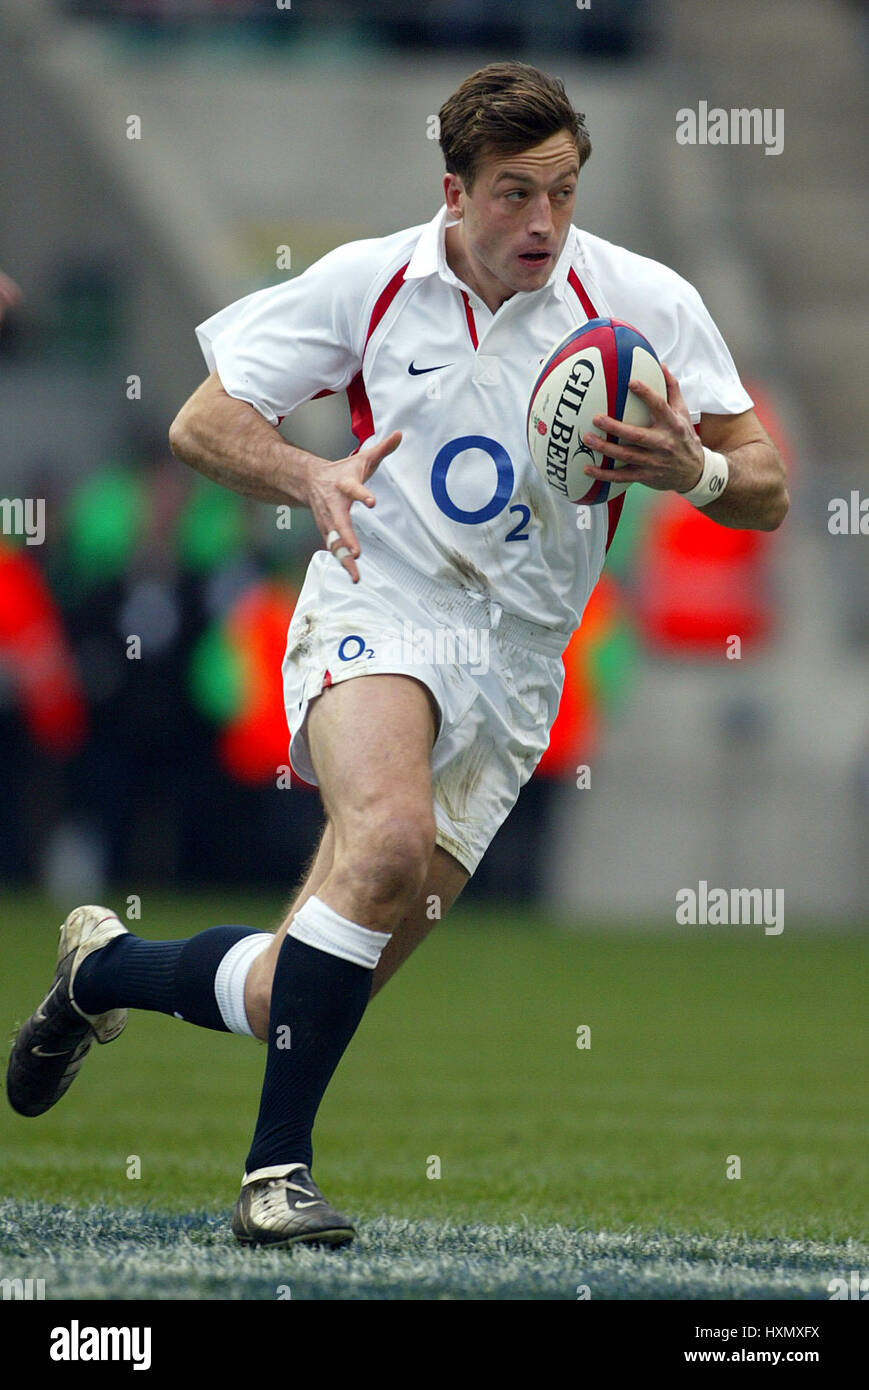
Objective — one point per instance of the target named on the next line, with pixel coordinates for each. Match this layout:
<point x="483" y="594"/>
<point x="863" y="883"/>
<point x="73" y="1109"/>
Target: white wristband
<point x="713" y="480"/>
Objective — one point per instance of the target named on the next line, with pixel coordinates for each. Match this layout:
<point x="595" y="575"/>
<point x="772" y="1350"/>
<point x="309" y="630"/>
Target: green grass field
<point x="559" y="1166"/>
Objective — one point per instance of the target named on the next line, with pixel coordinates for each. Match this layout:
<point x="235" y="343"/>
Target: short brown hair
<point x="505" y="108"/>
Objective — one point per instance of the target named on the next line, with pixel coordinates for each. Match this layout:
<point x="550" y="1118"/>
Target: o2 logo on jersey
<point x="352" y="647"/>
<point x="503" y="488"/>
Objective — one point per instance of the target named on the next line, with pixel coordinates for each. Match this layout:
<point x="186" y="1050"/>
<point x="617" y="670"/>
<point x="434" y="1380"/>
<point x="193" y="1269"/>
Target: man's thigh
<point x="370" y="740"/>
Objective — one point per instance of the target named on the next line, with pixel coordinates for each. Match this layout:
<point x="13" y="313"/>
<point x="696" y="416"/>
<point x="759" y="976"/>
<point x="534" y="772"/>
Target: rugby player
<point x="436" y="523"/>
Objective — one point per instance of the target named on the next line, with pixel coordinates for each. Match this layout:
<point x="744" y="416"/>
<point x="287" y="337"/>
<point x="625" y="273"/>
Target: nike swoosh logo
<point x="39" y="1016"/>
<point x="39" y="1051"/>
<point x="419" y="371"/>
<point x="317" y="1203"/>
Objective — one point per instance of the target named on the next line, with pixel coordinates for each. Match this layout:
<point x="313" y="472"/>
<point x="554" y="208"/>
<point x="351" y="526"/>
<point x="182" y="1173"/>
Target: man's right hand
<point x="331" y="490"/>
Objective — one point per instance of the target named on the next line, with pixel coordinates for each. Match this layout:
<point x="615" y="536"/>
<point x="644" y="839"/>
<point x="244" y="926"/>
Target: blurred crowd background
<point x="155" y="158"/>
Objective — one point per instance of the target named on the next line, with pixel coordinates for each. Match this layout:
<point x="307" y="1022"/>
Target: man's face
<point x="515" y="221"/>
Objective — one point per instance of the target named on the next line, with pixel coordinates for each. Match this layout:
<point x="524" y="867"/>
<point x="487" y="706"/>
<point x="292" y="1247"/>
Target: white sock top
<point x="318" y="925"/>
<point x="231" y="977"/>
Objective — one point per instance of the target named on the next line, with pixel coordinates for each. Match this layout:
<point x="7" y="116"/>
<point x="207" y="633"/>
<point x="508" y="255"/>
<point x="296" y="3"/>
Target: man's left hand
<point x="667" y="455"/>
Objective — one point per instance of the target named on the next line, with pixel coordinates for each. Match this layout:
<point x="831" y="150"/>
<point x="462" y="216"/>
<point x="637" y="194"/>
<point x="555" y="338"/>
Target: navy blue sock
<point x="317" y="1002"/>
<point x="171" y="977"/>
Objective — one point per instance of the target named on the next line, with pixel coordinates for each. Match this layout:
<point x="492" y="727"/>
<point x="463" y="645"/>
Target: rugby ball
<point x="587" y="374"/>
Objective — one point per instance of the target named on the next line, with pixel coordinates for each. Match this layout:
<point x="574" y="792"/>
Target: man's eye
<point x="516" y="193"/>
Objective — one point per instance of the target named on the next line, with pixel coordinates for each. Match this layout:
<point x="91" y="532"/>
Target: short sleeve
<point x="669" y="311"/>
<point x="279" y="347"/>
<point x="699" y="358"/>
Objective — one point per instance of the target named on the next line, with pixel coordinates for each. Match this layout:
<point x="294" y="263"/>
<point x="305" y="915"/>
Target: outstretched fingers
<point x="334" y="521"/>
<point x="375" y="455"/>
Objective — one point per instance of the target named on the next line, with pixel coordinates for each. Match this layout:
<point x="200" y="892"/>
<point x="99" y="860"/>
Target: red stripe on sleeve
<point x="384" y="300"/>
<point x="361" y="416"/>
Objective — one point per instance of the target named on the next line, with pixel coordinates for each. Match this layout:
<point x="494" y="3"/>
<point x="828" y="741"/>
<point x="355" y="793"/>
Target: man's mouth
<point x="534" y="257"/>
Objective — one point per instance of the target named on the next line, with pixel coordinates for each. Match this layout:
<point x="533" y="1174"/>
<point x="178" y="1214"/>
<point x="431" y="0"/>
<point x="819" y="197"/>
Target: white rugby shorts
<point x="495" y="679"/>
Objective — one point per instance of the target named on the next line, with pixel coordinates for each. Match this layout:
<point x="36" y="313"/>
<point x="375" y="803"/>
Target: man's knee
<point x="387" y="856"/>
<point x="386" y="860"/>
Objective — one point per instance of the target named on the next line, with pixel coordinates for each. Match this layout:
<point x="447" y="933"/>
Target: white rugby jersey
<point x="387" y="321"/>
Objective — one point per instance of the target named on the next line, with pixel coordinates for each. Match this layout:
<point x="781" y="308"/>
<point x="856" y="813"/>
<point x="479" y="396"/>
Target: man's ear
<point x="454" y="191"/>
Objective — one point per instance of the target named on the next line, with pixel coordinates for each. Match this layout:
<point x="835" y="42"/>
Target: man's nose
<point x="540" y="220"/>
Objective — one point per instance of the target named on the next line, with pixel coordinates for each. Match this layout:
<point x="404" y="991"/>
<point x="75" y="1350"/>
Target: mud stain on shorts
<point x="456" y="785"/>
<point x="303" y="640"/>
<point x="472" y="578"/>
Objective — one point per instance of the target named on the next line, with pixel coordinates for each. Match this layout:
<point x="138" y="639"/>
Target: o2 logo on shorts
<point x="352" y="647"/>
<point x="503" y="488"/>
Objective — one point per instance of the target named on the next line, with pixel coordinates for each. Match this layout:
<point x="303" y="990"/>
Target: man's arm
<point x="231" y="443"/>
<point x="668" y="456"/>
<point x="756" y="495"/>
